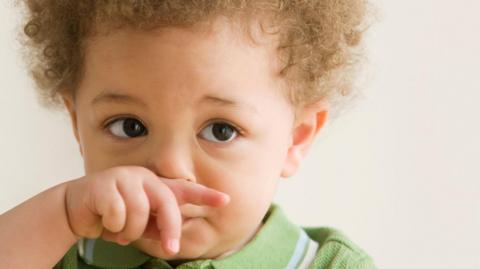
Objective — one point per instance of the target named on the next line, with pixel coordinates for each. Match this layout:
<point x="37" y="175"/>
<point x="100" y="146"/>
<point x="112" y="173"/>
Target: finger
<point x="137" y="208"/>
<point x="113" y="237"/>
<point x="189" y="192"/>
<point x="111" y="207"/>
<point x="168" y="216"/>
<point x="152" y="231"/>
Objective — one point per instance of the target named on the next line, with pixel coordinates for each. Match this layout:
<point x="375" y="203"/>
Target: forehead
<point x="211" y="42"/>
<point x="209" y="56"/>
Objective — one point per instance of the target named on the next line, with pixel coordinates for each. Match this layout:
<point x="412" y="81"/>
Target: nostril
<point x="184" y="179"/>
<point x="189" y="179"/>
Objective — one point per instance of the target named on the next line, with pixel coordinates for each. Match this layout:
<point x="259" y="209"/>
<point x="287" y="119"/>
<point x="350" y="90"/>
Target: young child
<point x="186" y="114"/>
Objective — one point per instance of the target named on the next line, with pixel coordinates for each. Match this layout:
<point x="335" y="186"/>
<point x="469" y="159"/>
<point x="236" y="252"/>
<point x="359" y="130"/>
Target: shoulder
<point x="337" y="251"/>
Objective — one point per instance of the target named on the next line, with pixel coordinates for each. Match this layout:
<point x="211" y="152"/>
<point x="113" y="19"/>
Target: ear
<point x="307" y="124"/>
<point x="70" y="106"/>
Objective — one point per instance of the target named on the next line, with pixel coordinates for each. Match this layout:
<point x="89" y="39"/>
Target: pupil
<point x="222" y="131"/>
<point x="133" y="128"/>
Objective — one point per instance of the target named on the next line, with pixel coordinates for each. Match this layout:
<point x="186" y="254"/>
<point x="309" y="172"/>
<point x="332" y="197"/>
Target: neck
<point x="241" y="245"/>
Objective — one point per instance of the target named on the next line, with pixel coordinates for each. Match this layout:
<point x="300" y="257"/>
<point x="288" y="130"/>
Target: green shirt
<point x="278" y="244"/>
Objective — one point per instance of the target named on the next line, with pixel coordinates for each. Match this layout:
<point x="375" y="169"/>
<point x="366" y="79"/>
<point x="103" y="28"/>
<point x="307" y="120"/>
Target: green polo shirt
<point x="278" y="244"/>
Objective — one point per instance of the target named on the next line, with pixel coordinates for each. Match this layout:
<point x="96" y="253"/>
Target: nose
<point x="171" y="159"/>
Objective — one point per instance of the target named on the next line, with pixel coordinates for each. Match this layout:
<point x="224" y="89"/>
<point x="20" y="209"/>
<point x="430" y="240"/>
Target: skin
<point x="168" y="72"/>
<point x="143" y="185"/>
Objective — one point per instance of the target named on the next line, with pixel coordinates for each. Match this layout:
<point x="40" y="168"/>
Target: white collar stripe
<point x="300" y="248"/>
<point x="85" y="247"/>
<point x="310" y="255"/>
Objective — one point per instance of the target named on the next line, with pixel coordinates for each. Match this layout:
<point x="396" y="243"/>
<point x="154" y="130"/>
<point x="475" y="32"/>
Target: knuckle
<point x="139" y="207"/>
<point x="141" y="171"/>
<point x="132" y="172"/>
<point x="170" y="197"/>
<point x="160" y="188"/>
<point x="122" y="172"/>
<point x="131" y="234"/>
<point x="144" y="170"/>
<point x="132" y="231"/>
<point x="114" y="209"/>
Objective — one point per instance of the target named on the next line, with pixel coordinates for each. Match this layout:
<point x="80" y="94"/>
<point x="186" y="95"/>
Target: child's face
<point x="179" y="84"/>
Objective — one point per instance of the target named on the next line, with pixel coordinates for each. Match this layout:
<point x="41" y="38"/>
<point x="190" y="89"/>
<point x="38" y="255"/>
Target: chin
<point x="195" y="241"/>
<point x="190" y="250"/>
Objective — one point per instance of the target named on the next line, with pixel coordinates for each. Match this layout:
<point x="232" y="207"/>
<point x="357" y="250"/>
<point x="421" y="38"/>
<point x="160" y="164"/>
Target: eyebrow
<point x="226" y="102"/>
<point x="114" y="97"/>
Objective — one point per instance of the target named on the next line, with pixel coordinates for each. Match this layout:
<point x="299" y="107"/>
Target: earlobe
<point x="304" y="132"/>
<point x="292" y="162"/>
<point x="70" y="106"/>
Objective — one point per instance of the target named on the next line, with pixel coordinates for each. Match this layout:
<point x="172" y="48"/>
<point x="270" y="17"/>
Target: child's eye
<point x="126" y="127"/>
<point x="219" y="132"/>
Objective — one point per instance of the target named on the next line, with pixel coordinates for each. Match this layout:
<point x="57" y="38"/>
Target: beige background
<point x="398" y="173"/>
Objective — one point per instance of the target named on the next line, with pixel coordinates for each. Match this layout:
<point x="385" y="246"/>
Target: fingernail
<point x="173" y="245"/>
<point x="123" y="242"/>
<point x="226" y="197"/>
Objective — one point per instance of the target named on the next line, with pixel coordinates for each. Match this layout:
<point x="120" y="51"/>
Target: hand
<point x="116" y="204"/>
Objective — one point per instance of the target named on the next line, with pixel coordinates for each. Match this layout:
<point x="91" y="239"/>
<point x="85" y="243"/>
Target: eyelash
<point x="110" y="121"/>
<point x="237" y="129"/>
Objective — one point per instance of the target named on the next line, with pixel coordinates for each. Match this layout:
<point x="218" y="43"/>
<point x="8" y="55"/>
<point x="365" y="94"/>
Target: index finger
<point x="168" y="217"/>
<point x="190" y="192"/>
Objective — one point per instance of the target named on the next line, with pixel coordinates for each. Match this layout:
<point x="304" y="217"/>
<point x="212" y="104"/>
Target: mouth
<point x="190" y="211"/>
<point x="185" y="219"/>
<point x="188" y="223"/>
<point x="153" y="233"/>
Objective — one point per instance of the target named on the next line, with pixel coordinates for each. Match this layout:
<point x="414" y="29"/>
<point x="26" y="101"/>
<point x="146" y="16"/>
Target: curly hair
<point x="318" y="40"/>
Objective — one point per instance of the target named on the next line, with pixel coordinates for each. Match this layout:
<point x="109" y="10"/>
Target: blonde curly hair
<point x="318" y="40"/>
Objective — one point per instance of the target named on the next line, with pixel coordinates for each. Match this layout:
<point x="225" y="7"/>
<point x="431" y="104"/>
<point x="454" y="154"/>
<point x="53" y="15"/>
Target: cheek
<point x="248" y="166"/>
<point x="250" y="178"/>
<point x="99" y="152"/>
<point x="256" y="158"/>
<point x="97" y="158"/>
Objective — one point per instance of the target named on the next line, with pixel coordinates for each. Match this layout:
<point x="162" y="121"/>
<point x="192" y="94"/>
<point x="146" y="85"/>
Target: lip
<point x="188" y="222"/>
<point x="191" y="211"/>
<point x="187" y="219"/>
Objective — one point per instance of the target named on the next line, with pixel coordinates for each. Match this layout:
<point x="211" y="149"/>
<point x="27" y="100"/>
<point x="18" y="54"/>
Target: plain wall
<point x="398" y="173"/>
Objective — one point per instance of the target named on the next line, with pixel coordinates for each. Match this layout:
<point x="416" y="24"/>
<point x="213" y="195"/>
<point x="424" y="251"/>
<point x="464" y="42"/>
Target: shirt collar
<point x="278" y="244"/>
